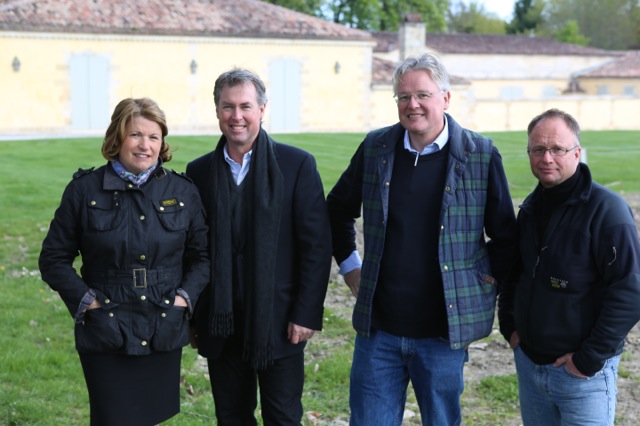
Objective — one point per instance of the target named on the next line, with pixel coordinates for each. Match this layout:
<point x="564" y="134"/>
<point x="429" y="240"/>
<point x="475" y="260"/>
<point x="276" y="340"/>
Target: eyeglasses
<point x="540" y="151"/>
<point x="405" y="98"/>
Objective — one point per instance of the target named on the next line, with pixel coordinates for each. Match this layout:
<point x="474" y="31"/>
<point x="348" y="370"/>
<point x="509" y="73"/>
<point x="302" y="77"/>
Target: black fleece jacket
<point x="577" y="285"/>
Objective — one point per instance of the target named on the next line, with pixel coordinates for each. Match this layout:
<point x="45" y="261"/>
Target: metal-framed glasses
<point x="405" y="98"/>
<point x="540" y="151"/>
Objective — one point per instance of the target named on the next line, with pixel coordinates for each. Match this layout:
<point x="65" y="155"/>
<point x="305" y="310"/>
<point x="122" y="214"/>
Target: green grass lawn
<point x="41" y="381"/>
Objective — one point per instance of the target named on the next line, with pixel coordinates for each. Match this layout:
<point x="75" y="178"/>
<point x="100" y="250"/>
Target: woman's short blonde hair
<point x="122" y="115"/>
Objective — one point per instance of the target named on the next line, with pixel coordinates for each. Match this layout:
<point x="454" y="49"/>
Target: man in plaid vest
<point x="439" y="236"/>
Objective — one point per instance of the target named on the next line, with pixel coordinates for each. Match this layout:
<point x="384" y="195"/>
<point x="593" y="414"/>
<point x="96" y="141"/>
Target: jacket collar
<point x="462" y="145"/>
<point x="112" y="182"/>
<point x="460" y="142"/>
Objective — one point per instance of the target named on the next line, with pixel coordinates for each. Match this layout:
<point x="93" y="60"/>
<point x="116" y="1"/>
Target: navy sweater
<point x="409" y="298"/>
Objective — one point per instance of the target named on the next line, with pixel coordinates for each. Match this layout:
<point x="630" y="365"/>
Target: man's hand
<point x="193" y="337"/>
<point x="179" y="301"/>
<point x="298" y="333"/>
<point x="353" y="281"/>
<point x="514" y="340"/>
<point x="567" y="361"/>
<point x="94" y="305"/>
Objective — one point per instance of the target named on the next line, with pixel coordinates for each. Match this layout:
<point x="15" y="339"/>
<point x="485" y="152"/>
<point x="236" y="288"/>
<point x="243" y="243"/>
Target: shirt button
<point x="166" y="301"/>
<point x="143" y="297"/>
<point x="445" y="267"/>
<point x="143" y="257"/>
<point x="163" y="315"/>
<point x="143" y="343"/>
<point x="181" y="204"/>
<point x="107" y="301"/>
<point x="142" y="217"/>
<point x="161" y="209"/>
<point x="111" y="314"/>
<point x="130" y="185"/>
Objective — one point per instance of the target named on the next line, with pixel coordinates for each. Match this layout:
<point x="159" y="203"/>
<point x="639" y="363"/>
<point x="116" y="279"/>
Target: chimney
<point x="412" y="36"/>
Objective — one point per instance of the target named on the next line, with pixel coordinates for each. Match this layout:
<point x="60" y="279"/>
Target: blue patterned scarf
<point x="138" y="179"/>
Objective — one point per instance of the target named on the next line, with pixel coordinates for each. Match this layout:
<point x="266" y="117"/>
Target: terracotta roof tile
<point x="627" y="66"/>
<point x="489" y="44"/>
<point x="239" y="18"/>
<point x="383" y="73"/>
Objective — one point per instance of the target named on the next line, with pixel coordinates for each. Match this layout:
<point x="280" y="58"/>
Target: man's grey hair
<point x="238" y="76"/>
<point x="429" y="63"/>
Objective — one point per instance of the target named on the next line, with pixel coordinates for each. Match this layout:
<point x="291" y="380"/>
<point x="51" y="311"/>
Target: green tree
<point x="527" y="16"/>
<point x="361" y="14"/>
<point x="570" y="33"/>
<point x="608" y="24"/>
<point x="473" y="19"/>
<point x="376" y="15"/>
<point x="432" y="12"/>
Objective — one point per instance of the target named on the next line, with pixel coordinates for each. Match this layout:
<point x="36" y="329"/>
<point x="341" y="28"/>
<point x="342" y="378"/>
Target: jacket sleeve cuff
<point x="350" y="263"/>
<point x="88" y="298"/>
<point x="185" y="296"/>
<point x="586" y="366"/>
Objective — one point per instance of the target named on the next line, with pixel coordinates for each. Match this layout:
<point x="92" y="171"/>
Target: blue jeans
<point x="552" y="396"/>
<point x="382" y="367"/>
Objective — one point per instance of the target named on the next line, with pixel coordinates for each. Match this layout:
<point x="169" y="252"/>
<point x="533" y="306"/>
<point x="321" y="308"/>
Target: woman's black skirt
<point x="132" y="390"/>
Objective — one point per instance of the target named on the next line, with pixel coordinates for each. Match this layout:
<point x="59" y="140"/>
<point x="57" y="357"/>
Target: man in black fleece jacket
<point x="576" y="292"/>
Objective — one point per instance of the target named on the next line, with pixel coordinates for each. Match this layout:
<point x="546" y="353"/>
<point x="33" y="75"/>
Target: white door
<point x="89" y="75"/>
<point x="284" y="96"/>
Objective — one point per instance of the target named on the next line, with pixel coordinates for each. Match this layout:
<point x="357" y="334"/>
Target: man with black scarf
<point x="576" y="293"/>
<point x="270" y="249"/>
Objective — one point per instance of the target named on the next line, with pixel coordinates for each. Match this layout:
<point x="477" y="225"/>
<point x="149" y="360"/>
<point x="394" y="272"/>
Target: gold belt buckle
<point x="140" y="278"/>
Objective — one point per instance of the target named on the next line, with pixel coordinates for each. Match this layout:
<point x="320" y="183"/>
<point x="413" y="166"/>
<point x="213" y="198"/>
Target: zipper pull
<point x="535" y="267"/>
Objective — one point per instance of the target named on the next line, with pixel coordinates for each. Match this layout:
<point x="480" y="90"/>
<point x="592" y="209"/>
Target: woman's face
<point x="141" y="145"/>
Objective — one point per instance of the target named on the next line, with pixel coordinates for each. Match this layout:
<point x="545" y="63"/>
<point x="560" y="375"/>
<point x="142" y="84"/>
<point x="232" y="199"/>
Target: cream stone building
<point x="65" y="64"/>
<point x="500" y="82"/>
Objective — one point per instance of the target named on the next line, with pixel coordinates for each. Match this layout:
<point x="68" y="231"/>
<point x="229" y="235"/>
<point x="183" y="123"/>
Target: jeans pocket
<point x="573" y="376"/>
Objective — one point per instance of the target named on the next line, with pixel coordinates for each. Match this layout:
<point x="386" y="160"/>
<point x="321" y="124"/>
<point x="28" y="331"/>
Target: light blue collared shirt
<point x="238" y="171"/>
<point x="433" y="147"/>
<point x="354" y="261"/>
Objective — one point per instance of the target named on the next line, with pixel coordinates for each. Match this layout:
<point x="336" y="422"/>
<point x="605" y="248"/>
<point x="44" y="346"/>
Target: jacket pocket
<point x="173" y="214"/>
<point x="172" y="329"/>
<point x="99" y="332"/>
<point x="103" y="213"/>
